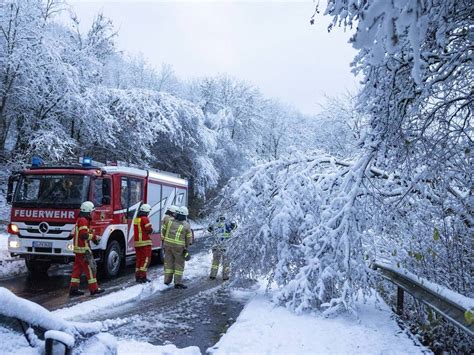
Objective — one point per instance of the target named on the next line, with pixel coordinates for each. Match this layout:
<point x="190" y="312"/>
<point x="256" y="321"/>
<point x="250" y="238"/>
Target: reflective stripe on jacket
<point x="164" y="223"/>
<point x="141" y="231"/>
<point x="176" y="233"/>
<point x="82" y="235"/>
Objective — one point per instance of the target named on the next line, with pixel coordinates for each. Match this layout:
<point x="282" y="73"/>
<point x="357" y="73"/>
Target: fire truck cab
<point x="45" y="205"/>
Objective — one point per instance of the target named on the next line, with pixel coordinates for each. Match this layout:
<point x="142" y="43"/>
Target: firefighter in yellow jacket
<point x="176" y="233"/>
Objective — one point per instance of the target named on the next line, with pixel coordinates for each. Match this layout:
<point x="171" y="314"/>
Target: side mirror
<point x="106" y="200"/>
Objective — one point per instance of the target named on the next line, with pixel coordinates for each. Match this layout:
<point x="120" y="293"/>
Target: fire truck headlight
<point x="14" y="244"/>
<point x="13" y="228"/>
<point x="70" y="247"/>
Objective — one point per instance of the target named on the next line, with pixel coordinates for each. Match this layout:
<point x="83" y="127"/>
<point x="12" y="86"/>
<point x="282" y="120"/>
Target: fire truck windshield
<point x="66" y="191"/>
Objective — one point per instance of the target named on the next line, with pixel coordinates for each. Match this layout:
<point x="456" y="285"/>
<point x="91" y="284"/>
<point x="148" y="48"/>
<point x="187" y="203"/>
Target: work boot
<point x="212" y="277"/>
<point x="225" y="278"/>
<point x="97" y="292"/>
<point x="75" y="292"/>
<point x="145" y="280"/>
<point x="139" y="280"/>
<point x="180" y="286"/>
<point x="167" y="283"/>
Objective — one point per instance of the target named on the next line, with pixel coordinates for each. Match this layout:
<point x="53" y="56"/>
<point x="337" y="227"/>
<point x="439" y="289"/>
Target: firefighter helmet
<point x="183" y="210"/>
<point x="173" y="209"/>
<point x="87" y="207"/>
<point x="145" y="208"/>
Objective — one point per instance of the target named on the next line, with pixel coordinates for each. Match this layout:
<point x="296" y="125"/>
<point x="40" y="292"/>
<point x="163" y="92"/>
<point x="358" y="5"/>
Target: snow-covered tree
<point x="416" y="59"/>
<point x="339" y="126"/>
<point x="312" y="224"/>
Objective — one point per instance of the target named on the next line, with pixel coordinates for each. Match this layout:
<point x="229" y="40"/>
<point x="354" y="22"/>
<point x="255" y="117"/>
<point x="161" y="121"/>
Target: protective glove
<point x="186" y="255"/>
<point x="96" y="241"/>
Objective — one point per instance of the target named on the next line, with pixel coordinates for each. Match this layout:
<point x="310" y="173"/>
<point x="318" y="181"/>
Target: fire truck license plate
<point x="42" y="244"/>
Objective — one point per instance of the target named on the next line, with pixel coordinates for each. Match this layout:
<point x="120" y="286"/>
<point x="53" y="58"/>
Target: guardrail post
<point x="400" y="294"/>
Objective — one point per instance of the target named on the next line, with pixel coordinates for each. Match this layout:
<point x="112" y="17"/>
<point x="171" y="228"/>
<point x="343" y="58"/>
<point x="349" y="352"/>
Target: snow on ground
<point x="15" y="343"/>
<point x="106" y="344"/>
<point x="263" y="328"/>
<point x="7" y="267"/>
<point x="135" y="347"/>
<point x="198" y="266"/>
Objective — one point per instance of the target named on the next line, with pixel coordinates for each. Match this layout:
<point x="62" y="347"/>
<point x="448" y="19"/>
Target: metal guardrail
<point x="453" y="312"/>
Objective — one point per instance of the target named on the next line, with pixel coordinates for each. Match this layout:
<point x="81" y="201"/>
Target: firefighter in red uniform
<point x="142" y="230"/>
<point x="84" y="261"/>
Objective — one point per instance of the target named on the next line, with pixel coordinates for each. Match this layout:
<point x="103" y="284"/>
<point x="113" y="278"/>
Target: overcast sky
<point x="269" y="44"/>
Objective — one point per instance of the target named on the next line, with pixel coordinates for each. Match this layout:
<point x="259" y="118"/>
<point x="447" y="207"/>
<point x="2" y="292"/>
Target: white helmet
<point x="173" y="208"/>
<point x="183" y="210"/>
<point x="145" y="208"/>
<point x="87" y="207"/>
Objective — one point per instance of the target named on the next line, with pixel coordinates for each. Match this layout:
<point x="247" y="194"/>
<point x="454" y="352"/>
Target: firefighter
<point x="176" y="234"/>
<point x="142" y="229"/>
<point x="84" y="261"/>
<point x="221" y="231"/>
<point x="171" y="211"/>
<point x="169" y="214"/>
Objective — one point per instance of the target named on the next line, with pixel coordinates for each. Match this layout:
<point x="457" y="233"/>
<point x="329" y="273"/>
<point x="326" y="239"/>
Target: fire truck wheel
<point x="112" y="259"/>
<point x="37" y="267"/>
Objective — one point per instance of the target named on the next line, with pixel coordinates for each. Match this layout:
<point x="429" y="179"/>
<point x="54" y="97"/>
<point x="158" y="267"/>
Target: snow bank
<point x="102" y="343"/>
<point x="263" y="328"/>
<point x="135" y="347"/>
<point x="34" y="314"/>
<point x="30" y="312"/>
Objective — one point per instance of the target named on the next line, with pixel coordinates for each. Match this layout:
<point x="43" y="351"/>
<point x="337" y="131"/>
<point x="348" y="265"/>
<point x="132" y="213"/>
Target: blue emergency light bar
<point x="86" y="161"/>
<point x="36" y="162"/>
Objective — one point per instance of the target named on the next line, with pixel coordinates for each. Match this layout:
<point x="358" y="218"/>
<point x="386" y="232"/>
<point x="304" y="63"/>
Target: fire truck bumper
<point x="55" y="249"/>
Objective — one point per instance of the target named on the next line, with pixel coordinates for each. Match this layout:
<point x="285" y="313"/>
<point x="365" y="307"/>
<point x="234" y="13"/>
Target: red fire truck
<point x="46" y="200"/>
